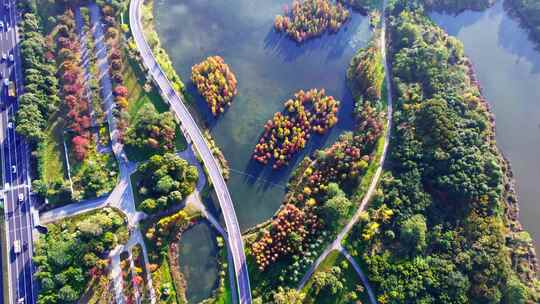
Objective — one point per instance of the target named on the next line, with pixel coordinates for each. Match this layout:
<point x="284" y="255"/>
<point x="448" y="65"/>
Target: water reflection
<point x="198" y="262"/>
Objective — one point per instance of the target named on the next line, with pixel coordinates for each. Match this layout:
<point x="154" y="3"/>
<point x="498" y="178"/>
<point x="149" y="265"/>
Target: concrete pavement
<point x="193" y="133"/>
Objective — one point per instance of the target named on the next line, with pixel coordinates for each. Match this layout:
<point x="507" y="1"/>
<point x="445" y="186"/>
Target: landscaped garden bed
<point x="72" y="257"/>
<point x="128" y="286"/>
<point x="140" y="280"/>
<point x="334" y="282"/>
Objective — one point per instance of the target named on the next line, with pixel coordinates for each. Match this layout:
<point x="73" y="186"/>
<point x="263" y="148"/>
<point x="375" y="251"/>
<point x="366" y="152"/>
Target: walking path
<point x="193" y="133"/>
<point x="336" y="244"/>
<point x="360" y="273"/>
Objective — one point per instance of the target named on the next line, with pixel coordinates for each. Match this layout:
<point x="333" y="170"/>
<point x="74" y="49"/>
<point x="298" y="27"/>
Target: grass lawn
<point x="133" y="80"/>
<point x="51" y="154"/>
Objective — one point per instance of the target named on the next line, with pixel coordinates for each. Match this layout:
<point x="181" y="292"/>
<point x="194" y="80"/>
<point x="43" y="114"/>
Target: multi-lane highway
<point x="15" y="173"/>
<point x="193" y="132"/>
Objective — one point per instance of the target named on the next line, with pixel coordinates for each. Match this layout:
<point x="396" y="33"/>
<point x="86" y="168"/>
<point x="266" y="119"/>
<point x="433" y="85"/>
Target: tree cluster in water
<point x="288" y="132"/>
<point x="311" y="18"/>
<point x="215" y="82"/>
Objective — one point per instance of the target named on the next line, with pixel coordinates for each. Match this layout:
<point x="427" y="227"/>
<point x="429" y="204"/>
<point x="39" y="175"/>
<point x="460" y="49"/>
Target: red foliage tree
<point x="121" y="91"/>
<point x="80" y="147"/>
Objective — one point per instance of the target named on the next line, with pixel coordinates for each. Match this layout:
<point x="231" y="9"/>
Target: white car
<point x="11" y="57"/>
<point x="4" y="56"/>
<point x="10" y="125"/>
<point x="21" y="197"/>
<point x="17" y="246"/>
<point x="6" y="82"/>
<point x="13" y="169"/>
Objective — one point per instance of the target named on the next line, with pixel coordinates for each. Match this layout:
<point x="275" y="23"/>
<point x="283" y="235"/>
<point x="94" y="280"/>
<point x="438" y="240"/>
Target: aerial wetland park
<point x="270" y="151"/>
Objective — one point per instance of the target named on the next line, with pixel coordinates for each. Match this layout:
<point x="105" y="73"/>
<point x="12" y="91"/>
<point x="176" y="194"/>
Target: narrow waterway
<point x="508" y="67"/>
<point x="198" y="262"/>
<point x="270" y="68"/>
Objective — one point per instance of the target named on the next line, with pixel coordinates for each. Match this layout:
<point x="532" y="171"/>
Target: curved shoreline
<point x="511" y="198"/>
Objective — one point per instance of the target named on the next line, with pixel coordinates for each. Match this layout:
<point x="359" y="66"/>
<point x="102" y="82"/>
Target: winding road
<point x="193" y="132"/>
<point x="336" y="244"/>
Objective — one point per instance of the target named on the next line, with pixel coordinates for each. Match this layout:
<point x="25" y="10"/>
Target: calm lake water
<point x="198" y="261"/>
<point x="508" y="67"/>
<point x="270" y="68"/>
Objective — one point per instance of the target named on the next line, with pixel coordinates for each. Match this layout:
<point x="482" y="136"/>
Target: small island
<point x="215" y="82"/>
<point x="287" y="132"/>
<point x="311" y="18"/>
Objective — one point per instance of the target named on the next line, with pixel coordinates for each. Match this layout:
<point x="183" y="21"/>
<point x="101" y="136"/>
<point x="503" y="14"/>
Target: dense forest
<point x="442" y="227"/>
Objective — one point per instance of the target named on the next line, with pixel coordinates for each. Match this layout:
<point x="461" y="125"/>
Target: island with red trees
<point x="288" y="131"/>
<point x="216" y="82"/>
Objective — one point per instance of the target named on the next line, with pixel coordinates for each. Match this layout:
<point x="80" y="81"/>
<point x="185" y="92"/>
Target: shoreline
<point x="510" y="195"/>
<point x="514" y="13"/>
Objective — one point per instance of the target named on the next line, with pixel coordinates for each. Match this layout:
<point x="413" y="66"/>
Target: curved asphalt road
<point x="194" y="133"/>
<point x="336" y="244"/>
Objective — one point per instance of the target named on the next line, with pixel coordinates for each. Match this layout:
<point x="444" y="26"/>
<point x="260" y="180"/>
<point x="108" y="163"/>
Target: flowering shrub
<point x="287" y="132"/>
<point x="311" y="18"/>
<point x="215" y="82"/>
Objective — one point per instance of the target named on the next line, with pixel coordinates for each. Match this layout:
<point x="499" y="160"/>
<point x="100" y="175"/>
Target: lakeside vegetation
<point x="311" y="18"/>
<point x="440" y="228"/>
<point x="456" y="6"/>
<point x="363" y="5"/>
<point x="71" y="259"/>
<point x="323" y="192"/>
<point x="288" y="132"/>
<point x="159" y="52"/>
<point x="161" y="238"/>
<point x="216" y="82"/>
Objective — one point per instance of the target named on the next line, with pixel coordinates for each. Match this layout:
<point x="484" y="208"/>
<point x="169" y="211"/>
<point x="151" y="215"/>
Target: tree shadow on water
<point x="334" y="44"/>
<point x="266" y="177"/>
